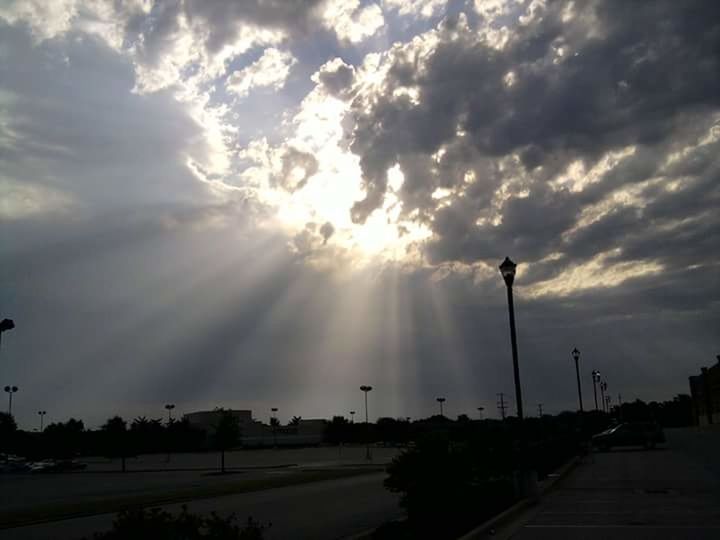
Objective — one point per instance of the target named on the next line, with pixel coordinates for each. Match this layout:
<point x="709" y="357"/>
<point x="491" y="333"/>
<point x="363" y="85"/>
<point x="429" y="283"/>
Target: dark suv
<point x="647" y="434"/>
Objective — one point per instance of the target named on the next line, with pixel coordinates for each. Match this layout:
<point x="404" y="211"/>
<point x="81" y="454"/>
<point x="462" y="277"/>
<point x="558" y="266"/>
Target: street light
<point x="352" y="417"/>
<point x="42" y="417"/>
<point x="367" y="389"/>
<point x="507" y="269"/>
<point x="576" y="356"/>
<point x="480" y="412"/>
<point x="10" y="390"/>
<point x="170" y="407"/>
<point x="596" y="379"/>
<point x="603" y="389"/>
<point x="440" y="400"/>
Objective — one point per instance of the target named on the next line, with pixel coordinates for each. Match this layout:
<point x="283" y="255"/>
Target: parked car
<point x="647" y="434"/>
<point x="51" y="465"/>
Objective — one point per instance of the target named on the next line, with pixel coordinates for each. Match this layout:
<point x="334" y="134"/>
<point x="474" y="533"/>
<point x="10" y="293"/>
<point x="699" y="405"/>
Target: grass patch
<point x="54" y="512"/>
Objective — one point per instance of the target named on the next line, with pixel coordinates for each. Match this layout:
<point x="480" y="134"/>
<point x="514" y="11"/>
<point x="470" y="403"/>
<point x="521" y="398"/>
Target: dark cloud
<point x="337" y="77"/>
<point x="297" y="168"/>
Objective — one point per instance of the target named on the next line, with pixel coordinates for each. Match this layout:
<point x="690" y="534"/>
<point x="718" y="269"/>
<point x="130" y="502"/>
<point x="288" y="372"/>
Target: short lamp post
<point x="480" y="412"/>
<point x="603" y="389"/>
<point x="42" y="418"/>
<point x="441" y="400"/>
<point x="576" y="356"/>
<point x="10" y="390"/>
<point x="352" y="417"/>
<point x="169" y="407"/>
<point x="365" y="389"/>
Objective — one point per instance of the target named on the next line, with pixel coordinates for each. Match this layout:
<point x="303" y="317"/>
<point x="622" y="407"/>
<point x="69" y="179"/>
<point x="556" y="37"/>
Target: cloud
<point x="336" y="77"/>
<point x="524" y="127"/>
<point x="415" y="8"/>
<point x="270" y="70"/>
<point x="351" y="21"/>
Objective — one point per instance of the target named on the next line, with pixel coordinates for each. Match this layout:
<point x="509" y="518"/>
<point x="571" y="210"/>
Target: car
<point x="52" y="465"/>
<point x="647" y="434"/>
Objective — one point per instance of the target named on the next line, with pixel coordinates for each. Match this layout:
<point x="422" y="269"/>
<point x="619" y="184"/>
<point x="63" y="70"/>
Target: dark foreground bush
<point x="157" y="524"/>
<point x="447" y="487"/>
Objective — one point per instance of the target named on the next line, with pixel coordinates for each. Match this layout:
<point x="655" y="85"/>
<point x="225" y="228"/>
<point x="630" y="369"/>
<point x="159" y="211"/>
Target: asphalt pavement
<point x="326" y="510"/>
<point x="671" y="493"/>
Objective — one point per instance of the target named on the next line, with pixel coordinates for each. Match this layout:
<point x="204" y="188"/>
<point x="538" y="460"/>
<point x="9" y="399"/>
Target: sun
<point x="329" y="196"/>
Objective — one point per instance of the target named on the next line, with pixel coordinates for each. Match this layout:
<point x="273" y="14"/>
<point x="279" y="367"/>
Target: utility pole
<point x="501" y="405"/>
<point x="540" y="413"/>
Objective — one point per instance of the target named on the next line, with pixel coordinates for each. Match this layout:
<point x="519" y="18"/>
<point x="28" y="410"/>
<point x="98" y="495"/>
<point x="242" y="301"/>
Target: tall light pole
<point x="440" y="400"/>
<point x="367" y="389"/>
<point x="596" y="379"/>
<point x="603" y="388"/>
<point x="10" y="390"/>
<point x="480" y="412"/>
<point x="352" y="417"/>
<point x="169" y="407"/>
<point x="576" y="356"/>
<point x="42" y="417"/>
<point x="507" y="269"/>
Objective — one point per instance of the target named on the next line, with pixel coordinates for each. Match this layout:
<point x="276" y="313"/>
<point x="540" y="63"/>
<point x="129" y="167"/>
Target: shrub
<point x="157" y="524"/>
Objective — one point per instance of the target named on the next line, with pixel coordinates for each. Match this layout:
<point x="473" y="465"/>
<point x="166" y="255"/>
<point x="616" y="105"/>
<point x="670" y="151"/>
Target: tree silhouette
<point x="8" y="428"/>
<point x="227" y="434"/>
<point x="116" y="439"/>
<point x="295" y="420"/>
<point x="63" y="440"/>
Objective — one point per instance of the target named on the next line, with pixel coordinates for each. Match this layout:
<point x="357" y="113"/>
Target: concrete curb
<point x="515" y="510"/>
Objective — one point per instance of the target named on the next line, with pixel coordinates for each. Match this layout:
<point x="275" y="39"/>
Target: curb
<point x="515" y="510"/>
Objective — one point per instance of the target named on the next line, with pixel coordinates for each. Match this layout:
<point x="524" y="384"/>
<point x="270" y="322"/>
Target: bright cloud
<point x="269" y="71"/>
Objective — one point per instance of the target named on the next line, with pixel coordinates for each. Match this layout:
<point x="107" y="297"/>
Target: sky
<point x="268" y="203"/>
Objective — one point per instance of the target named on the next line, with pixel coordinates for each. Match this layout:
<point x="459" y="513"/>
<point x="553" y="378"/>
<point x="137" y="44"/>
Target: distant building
<point x="705" y="392"/>
<point x="208" y="420"/>
<point x="256" y="434"/>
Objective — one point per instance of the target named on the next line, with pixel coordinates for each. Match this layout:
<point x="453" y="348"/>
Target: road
<point x="665" y="494"/>
<point x="324" y="510"/>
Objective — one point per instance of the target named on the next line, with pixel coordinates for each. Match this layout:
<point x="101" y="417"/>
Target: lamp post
<point x="576" y="356"/>
<point x="274" y="422"/>
<point x="352" y="417"/>
<point x="596" y="379"/>
<point x="367" y="389"/>
<point x="169" y="407"/>
<point x="540" y="411"/>
<point x="440" y="400"/>
<point x="480" y="412"/>
<point x="507" y="269"/>
<point x="10" y="390"/>
<point x="603" y="389"/>
<point x="42" y="417"/>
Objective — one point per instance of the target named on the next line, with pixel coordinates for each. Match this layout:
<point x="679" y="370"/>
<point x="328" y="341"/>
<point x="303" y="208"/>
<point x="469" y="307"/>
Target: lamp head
<point x="507" y="270"/>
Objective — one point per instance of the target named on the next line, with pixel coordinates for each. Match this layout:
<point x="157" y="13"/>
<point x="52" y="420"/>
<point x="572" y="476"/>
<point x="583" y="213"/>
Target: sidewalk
<point x="635" y="494"/>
